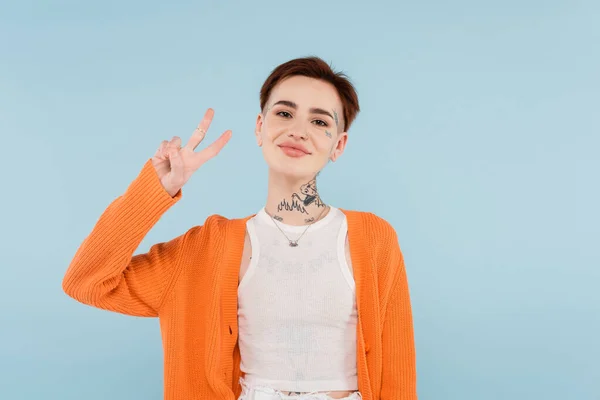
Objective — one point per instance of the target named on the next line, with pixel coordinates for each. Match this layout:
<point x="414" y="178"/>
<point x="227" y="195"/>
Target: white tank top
<point x="297" y="307"/>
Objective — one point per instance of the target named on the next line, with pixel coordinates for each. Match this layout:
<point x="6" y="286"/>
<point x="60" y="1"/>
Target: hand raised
<point x="175" y="164"/>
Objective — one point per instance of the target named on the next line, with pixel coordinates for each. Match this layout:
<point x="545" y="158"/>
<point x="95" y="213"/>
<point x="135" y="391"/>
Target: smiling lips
<point x="293" y="149"/>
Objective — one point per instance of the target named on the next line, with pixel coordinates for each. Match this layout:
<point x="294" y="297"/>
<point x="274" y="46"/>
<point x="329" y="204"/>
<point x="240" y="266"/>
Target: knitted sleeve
<point x="399" y="380"/>
<point x="105" y="274"/>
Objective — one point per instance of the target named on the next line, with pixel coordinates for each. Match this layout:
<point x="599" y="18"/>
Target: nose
<point x="298" y="129"/>
<point x="298" y="134"/>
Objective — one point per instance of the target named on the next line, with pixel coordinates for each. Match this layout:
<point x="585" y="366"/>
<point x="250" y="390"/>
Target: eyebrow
<point x="313" y="110"/>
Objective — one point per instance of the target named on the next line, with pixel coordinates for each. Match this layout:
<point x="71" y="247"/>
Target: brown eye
<point x="284" y="114"/>
<point x="320" y="123"/>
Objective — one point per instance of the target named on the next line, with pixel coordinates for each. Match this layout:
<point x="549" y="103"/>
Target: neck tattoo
<point x="306" y="196"/>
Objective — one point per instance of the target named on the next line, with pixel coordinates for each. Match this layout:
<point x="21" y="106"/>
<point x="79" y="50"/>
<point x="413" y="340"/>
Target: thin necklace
<point x="294" y="243"/>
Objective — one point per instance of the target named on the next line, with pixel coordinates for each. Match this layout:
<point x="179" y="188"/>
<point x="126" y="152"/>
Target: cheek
<point x="323" y="142"/>
<point x="275" y="121"/>
<point x="273" y="128"/>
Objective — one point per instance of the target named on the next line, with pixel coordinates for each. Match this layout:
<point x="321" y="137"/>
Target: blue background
<point x="478" y="140"/>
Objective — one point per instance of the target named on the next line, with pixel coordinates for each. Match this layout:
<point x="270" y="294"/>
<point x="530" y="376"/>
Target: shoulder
<point x="217" y="225"/>
<point x="377" y="235"/>
<point x="371" y="225"/>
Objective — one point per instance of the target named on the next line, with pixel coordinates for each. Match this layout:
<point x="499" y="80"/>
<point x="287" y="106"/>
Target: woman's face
<point x="305" y="113"/>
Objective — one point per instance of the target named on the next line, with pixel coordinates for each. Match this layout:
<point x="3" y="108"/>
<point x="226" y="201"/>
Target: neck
<point x="288" y="201"/>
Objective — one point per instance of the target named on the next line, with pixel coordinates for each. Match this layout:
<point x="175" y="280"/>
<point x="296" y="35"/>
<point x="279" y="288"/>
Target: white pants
<point x="257" y="392"/>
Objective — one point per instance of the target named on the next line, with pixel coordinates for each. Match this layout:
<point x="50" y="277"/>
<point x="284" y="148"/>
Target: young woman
<point x="301" y="300"/>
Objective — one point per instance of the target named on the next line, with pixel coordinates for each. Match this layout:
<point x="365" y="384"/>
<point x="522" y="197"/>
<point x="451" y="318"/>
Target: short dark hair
<point x="315" y="67"/>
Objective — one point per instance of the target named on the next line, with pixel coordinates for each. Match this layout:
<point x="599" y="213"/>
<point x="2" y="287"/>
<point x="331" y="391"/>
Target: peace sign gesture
<point x="175" y="164"/>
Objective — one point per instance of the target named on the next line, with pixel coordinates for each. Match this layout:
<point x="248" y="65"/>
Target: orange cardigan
<point x="190" y="283"/>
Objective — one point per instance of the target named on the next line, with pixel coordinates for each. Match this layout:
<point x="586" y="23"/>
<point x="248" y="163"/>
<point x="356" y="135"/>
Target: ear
<point x="258" y="129"/>
<point x="340" y="145"/>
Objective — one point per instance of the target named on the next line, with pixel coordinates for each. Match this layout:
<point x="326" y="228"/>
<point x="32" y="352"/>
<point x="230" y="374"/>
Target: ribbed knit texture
<point x="190" y="283"/>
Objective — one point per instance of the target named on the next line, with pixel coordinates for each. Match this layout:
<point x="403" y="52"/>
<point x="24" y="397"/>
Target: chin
<point x="292" y="170"/>
<point x="301" y="168"/>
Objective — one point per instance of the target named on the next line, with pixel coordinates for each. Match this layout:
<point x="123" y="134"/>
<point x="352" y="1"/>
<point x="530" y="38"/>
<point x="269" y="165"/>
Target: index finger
<point x="201" y="129"/>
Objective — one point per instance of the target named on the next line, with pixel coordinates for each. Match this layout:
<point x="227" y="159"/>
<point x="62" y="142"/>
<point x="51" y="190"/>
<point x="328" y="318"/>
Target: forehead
<point x="307" y="92"/>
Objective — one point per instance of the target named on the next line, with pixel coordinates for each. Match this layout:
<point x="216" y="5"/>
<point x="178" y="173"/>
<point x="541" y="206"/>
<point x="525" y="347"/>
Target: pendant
<point x="293" y="243"/>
